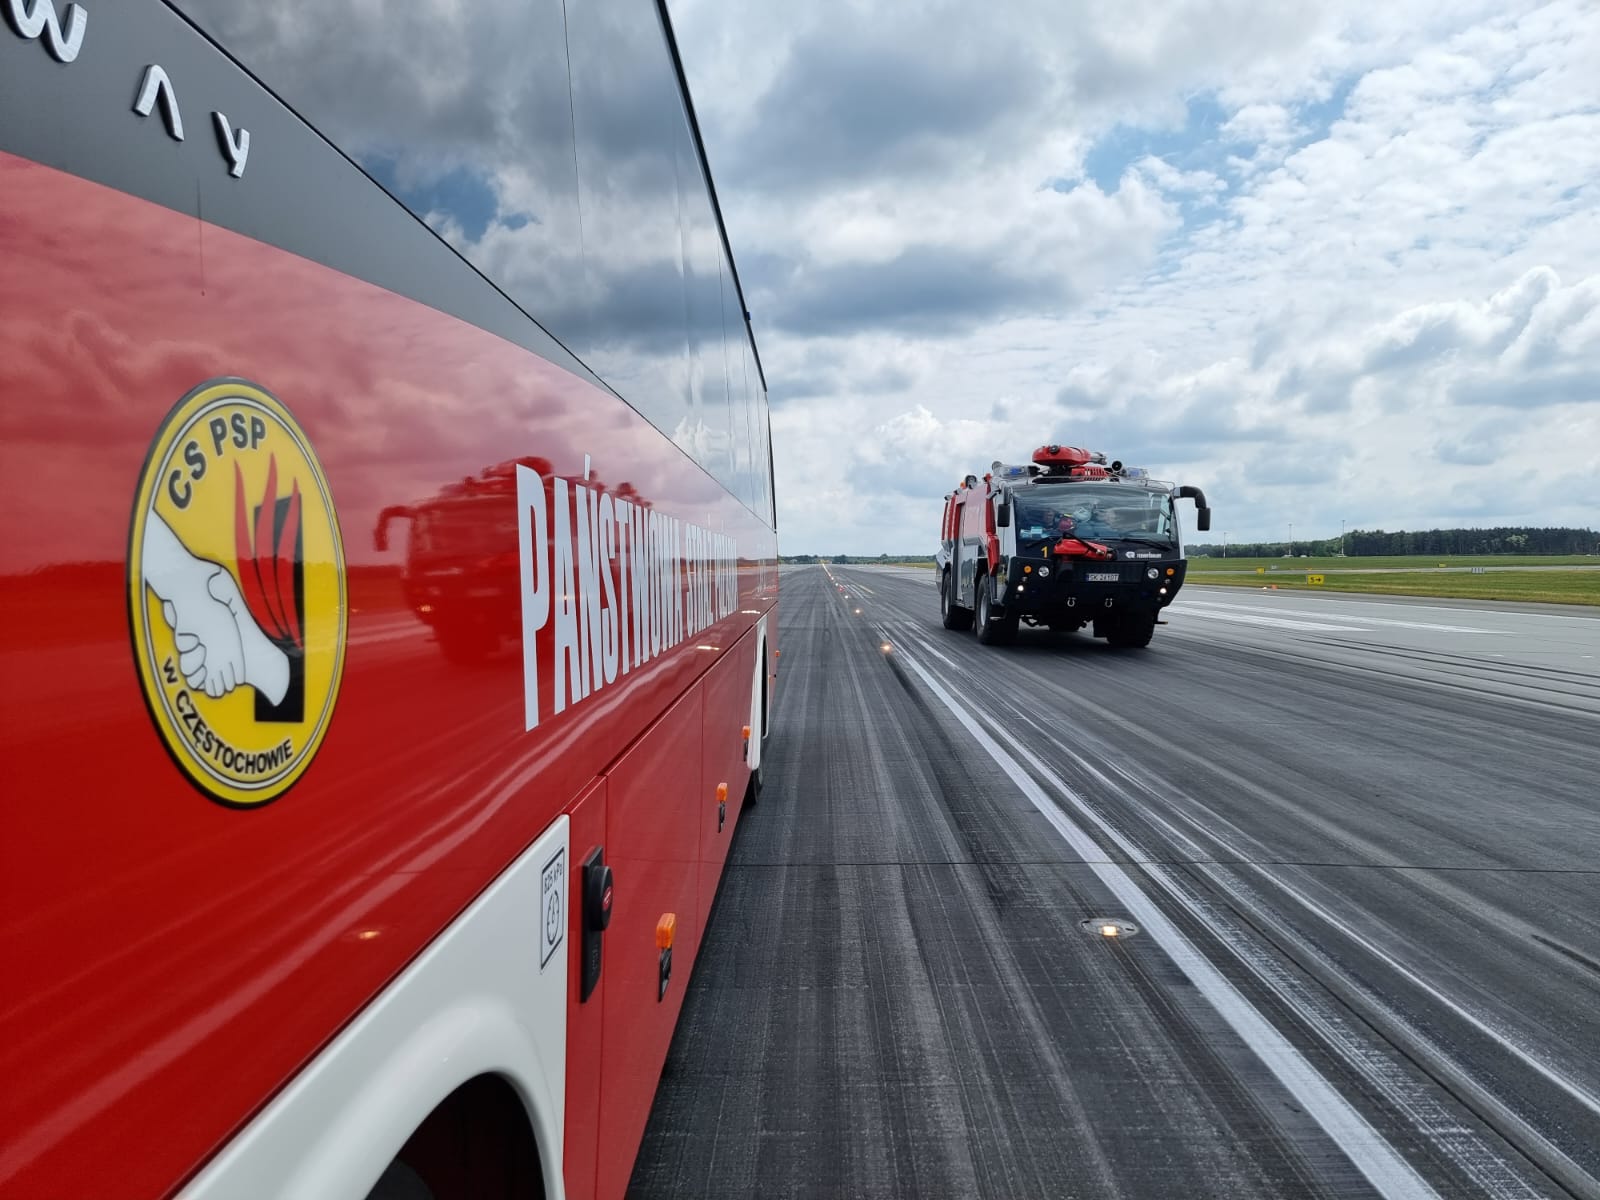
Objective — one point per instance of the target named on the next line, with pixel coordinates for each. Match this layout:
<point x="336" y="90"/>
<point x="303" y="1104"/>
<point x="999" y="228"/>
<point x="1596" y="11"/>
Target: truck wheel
<point x="954" y="616"/>
<point x="1131" y="631"/>
<point x="994" y="629"/>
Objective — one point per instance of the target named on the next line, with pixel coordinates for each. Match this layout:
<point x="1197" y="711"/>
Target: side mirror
<point x="380" y="535"/>
<point x="1202" y="510"/>
<point x="1002" y="514"/>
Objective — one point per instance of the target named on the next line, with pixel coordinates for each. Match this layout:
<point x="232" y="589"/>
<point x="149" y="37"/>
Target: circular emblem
<point x="552" y="918"/>
<point x="236" y="593"/>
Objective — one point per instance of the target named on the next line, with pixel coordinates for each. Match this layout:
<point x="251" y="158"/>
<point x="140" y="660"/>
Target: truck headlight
<point x="1153" y="573"/>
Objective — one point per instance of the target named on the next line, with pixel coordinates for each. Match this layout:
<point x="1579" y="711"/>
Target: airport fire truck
<point x="1063" y="541"/>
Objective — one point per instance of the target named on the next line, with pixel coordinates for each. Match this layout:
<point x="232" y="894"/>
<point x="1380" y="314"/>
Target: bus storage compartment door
<point x="726" y="713"/>
<point x="657" y="804"/>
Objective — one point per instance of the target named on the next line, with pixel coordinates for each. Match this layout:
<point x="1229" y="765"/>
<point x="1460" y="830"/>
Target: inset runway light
<point x="886" y="647"/>
<point x="1109" y="927"/>
<point x="858" y="612"/>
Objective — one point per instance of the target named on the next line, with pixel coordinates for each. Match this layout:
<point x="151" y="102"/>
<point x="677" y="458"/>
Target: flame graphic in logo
<point x="266" y="562"/>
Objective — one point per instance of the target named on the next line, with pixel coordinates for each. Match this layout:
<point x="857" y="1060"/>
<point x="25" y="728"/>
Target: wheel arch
<point x="465" y="1009"/>
<point x="478" y="1143"/>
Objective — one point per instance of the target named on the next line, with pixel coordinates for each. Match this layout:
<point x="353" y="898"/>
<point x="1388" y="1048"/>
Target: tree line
<point x="1509" y="539"/>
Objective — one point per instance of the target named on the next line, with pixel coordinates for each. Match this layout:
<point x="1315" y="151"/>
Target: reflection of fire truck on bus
<point x="460" y="577"/>
<point x="1064" y="541"/>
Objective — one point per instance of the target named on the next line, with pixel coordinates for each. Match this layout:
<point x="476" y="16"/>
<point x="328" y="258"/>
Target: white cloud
<point x="1368" y="282"/>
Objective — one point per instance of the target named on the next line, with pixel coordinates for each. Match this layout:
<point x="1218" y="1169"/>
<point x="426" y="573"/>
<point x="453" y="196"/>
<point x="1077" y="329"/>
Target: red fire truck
<point x="370" y="749"/>
<point x="1063" y="541"/>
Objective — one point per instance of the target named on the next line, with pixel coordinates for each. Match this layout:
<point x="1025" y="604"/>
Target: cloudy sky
<point x="1329" y="261"/>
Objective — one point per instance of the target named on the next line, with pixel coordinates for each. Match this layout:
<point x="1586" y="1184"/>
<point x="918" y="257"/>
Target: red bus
<point x="388" y="555"/>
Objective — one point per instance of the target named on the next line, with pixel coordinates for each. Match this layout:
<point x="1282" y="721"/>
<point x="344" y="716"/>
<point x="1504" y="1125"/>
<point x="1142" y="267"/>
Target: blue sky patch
<point x="463" y="195"/>
<point x="1192" y="148"/>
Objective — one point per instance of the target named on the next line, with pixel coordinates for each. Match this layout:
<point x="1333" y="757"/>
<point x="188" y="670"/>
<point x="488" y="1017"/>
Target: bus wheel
<point x="1131" y="631"/>
<point x="994" y="629"/>
<point x="954" y="616"/>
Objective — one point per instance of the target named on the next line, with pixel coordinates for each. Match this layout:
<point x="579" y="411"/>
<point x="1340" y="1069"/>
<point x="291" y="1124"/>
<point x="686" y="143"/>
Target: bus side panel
<point x="653" y="794"/>
<point x="162" y="946"/>
<point x="726" y="689"/>
<point x="585" y="1018"/>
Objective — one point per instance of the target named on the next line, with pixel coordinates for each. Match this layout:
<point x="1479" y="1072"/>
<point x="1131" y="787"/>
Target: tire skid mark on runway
<point x="1441" y="682"/>
<point x="1000" y="692"/>
<point x="1442" y="1126"/>
<point x="1383" y="1167"/>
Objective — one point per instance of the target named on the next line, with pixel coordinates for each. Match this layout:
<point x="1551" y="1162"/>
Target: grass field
<point x="1547" y="587"/>
<point x="1552" y="587"/>
<point x="1395" y="562"/>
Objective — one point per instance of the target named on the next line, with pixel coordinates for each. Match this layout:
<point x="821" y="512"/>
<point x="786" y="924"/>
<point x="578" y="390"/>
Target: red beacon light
<point x="1062" y="456"/>
<point x="1074" y="462"/>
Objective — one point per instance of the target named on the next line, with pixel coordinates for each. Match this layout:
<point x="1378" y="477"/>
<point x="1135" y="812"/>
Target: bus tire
<point x="953" y="615"/>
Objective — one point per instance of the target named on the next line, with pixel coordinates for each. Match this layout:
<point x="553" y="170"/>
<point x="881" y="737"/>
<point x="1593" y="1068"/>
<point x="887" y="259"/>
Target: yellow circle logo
<point x="236" y="593"/>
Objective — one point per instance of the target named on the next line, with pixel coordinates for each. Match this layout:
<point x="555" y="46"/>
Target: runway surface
<point x="1360" y="842"/>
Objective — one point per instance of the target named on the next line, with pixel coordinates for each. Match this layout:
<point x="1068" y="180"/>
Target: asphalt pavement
<point x="1350" y="849"/>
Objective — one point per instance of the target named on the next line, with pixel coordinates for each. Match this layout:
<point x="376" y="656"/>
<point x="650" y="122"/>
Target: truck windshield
<point x="1086" y="510"/>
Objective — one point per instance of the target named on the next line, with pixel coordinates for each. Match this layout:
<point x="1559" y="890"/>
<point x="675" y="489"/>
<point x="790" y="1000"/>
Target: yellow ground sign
<point x="1313" y="578"/>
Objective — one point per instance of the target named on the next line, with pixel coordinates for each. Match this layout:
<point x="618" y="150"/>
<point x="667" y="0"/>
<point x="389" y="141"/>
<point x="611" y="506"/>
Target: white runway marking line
<point x="1363" y="1145"/>
<point x="1238" y="618"/>
<point x="1188" y="605"/>
<point x="1211" y="589"/>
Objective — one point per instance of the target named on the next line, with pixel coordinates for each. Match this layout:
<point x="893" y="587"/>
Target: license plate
<point x="1103" y="577"/>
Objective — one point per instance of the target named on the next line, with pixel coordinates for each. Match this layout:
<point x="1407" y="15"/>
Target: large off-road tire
<point x="995" y="628"/>
<point x="953" y="615"/>
<point x="1130" y="631"/>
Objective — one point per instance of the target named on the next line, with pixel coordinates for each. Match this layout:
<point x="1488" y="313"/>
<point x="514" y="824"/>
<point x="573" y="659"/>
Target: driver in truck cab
<point x="1088" y="521"/>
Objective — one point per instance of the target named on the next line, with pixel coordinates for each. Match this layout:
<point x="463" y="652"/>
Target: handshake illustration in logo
<point x="220" y="646"/>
